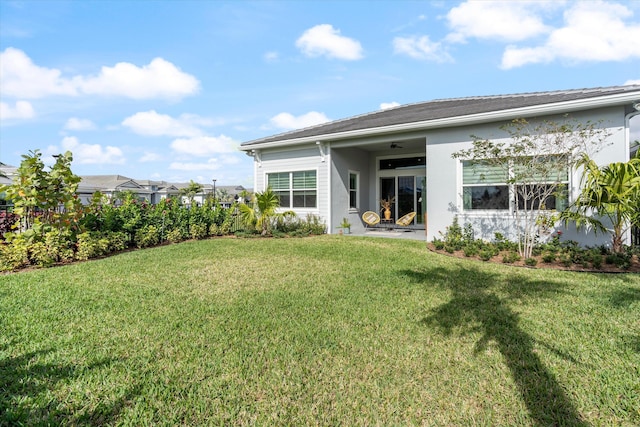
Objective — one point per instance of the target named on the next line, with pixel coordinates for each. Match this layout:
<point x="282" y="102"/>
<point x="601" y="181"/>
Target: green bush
<point x="14" y="254"/>
<point x="118" y="240"/>
<point x="91" y="245"/>
<point x="531" y="262"/>
<point x="176" y="235"/>
<point x="486" y="254"/>
<point x="510" y="257"/>
<point x="147" y="236"/>
<point x="39" y="255"/>
<point x="60" y="245"/>
<point x="438" y="244"/>
<point x="549" y="257"/>
<point x="199" y="231"/>
<point x="470" y="250"/>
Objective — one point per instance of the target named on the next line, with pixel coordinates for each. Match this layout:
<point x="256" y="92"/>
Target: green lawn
<point x="328" y="330"/>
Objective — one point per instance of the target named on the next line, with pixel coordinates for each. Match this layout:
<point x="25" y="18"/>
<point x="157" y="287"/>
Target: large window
<point x="354" y="184"/>
<point x="294" y="189"/>
<point x="486" y="187"/>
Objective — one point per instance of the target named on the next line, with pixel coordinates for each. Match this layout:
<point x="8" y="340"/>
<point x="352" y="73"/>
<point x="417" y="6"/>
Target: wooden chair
<point x="370" y="218"/>
<point x="406" y="220"/>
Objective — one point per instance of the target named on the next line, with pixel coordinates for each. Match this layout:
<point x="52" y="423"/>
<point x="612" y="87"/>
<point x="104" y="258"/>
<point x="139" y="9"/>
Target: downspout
<point x="330" y="189"/>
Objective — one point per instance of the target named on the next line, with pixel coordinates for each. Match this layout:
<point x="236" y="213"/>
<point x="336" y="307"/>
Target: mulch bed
<point x="556" y="265"/>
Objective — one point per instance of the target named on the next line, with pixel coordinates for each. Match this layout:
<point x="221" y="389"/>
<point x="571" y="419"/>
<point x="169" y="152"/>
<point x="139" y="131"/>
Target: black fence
<point x="635" y="236"/>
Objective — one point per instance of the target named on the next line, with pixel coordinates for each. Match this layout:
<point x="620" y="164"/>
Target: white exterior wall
<point x="444" y="177"/>
<point x="301" y="159"/>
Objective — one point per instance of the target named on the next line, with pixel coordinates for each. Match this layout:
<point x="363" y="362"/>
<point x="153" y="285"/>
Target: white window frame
<point x="356" y="190"/>
<point x="511" y="191"/>
<point x="291" y="190"/>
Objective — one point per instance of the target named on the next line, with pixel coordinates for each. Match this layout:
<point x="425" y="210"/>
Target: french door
<point x="409" y="194"/>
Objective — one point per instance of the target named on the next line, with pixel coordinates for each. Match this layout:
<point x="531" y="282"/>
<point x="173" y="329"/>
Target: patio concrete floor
<point x="411" y="234"/>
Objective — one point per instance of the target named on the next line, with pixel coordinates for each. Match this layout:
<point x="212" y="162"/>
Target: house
<point x="343" y="168"/>
<point x="149" y="191"/>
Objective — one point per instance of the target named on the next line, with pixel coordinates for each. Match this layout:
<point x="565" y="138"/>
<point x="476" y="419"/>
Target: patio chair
<point x="370" y="218"/>
<point x="406" y="220"/>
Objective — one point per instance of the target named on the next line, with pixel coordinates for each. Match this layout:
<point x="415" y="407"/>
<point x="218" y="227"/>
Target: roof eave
<point x="490" y="116"/>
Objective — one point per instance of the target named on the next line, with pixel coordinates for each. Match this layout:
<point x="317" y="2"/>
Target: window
<point x="486" y="187"/>
<point x="354" y="179"/>
<point x="294" y="189"/>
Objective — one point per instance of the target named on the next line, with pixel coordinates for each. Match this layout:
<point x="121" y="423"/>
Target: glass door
<point x="388" y="191"/>
<point x="406" y="195"/>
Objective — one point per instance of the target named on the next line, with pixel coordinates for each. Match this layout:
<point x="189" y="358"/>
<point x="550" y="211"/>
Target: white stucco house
<point x="343" y="168"/>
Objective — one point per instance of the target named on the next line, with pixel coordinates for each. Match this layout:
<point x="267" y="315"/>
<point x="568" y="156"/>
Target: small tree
<point x="535" y="163"/>
<point x="45" y="198"/>
<point x="611" y="192"/>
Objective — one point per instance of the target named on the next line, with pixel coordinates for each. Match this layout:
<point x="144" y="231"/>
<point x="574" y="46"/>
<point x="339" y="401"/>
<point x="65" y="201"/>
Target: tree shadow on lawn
<point x="25" y="383"/>
<point x="474" y="302"/>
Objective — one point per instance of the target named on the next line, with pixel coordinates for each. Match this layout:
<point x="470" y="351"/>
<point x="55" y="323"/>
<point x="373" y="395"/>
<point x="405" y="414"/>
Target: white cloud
<point x="502" y="20"/>
<point x="387" y="105"/>
<point x="150" y="123"/>
<point x="158" y="79"/>
<point x="289" y="121"/>
<point x="20" y="77"/>
<point x="632" y="82"/>
<point x="210" y="165"/>
<point x="203" y="146"/>
<point x="326" y="40"/>
<point x="150" y="157"/>
<point x="22" y="110"/>
<point x="593" y="31"/>
<point x="271" y="56"/>
<point x="91" y="153"/>
<point x="75" y="123"/>
<point x="421" y="48"/>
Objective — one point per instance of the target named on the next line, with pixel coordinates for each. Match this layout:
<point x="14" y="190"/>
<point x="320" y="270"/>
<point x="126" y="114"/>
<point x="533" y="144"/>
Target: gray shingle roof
<point x="445" y="108"/>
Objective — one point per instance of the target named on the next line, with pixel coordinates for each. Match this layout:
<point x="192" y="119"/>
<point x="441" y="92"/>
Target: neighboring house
<point x="343" y="168"/>
<point x="146" y="190"/>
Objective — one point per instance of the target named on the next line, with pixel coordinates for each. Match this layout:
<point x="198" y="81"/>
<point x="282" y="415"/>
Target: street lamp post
<point x="214" y="191"/>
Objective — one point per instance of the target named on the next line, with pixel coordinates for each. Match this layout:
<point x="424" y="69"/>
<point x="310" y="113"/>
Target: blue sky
<point x="168" y="90"/>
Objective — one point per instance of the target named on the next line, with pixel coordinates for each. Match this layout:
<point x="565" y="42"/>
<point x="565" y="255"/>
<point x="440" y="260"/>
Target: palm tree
<point x="611" y="192"/>
<point x="191" y="190"/>
<point x="262" y="211"/>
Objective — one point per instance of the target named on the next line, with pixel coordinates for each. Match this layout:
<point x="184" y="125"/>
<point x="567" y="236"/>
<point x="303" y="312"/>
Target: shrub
<point x="486" y="254"/>
<point x="175" y="235"/>
<point x="39" y="255"/>
<point x="596" y="260"/>
<point x="118" y="240"/>
<point x="549" y="257"/>
<point x="438" y="244"/>
<point x="60" y="245"/>
<point x="147" y="236"/>
<point x="531" y="262"/>
<point x="565" y="260"/>
<point x="91" y="245"/>
<point x="14" y="256"/>
<point x="510" y="257"/>
<point x="199" y="231"/>
<point x="470" y="250"/>
<point x="7" y="219"/>
<point x="453" y="237"/>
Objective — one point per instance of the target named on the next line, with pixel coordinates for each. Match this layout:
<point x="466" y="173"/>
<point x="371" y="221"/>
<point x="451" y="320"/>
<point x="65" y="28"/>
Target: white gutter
<point x="490" y="116"/>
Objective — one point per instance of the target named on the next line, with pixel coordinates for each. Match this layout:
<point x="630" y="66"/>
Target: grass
<point x="319" y="331"/>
